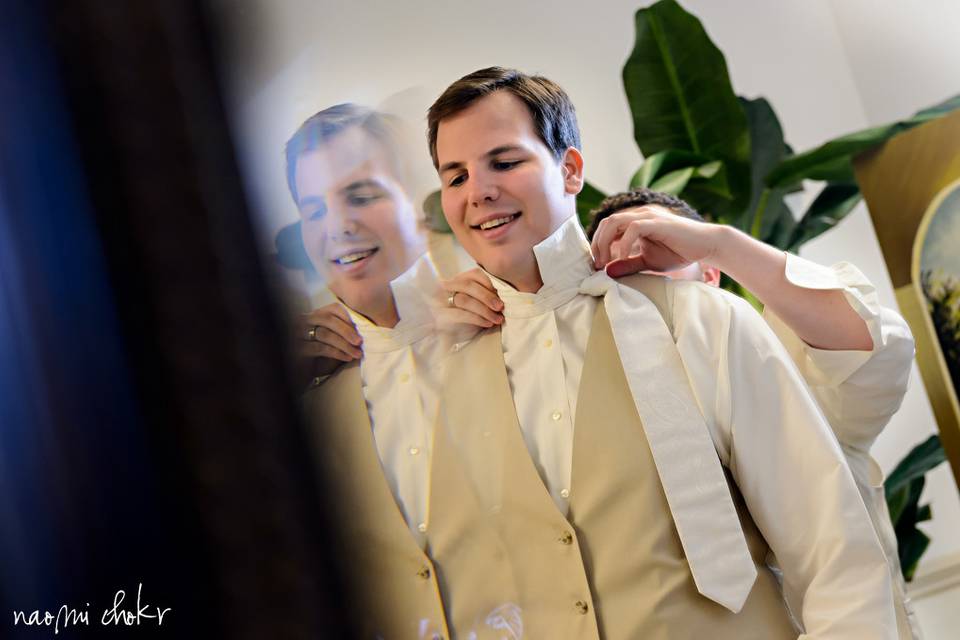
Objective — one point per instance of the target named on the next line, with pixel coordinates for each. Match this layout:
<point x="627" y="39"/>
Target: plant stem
<point x="758" y="214"/>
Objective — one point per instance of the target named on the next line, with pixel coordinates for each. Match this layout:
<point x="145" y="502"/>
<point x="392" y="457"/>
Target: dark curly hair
<point x="638" y="198"/>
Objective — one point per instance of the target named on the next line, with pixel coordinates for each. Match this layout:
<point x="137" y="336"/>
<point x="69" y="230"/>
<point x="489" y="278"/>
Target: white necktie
<point x="683" y="451"/>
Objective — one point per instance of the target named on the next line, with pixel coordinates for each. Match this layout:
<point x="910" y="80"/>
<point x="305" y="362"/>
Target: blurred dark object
<point x="147" y="430"/>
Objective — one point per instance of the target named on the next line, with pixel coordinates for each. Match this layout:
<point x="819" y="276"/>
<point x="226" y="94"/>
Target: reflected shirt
<point x="401" y="370"/>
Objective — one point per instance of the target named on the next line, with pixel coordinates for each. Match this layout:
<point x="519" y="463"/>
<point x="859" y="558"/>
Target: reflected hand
<point x="651" y="238"/>
<point x="475" y="301"/>
<point x="327" y="338"/>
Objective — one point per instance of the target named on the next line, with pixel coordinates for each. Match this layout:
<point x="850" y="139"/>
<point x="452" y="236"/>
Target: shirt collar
<point x="564" y="260"/>
<point x="413" y="291"/>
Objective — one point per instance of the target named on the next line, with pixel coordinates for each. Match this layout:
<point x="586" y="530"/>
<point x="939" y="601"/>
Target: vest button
<point x="424" y="573"/>
<point x="566" y="537"/>
<point x="582" y="607"/>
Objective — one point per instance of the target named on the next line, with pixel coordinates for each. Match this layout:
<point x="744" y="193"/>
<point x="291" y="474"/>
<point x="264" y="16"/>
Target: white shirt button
<point x="414" y="450"/>
<point x="548" y="343"/>
<point x="556" y="415"/>
<point x="564" y="493"/>
<point x="422" y="527"/>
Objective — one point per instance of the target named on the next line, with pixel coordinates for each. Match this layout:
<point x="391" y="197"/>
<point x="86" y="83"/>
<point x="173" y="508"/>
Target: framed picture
<point x="912" y="188"/>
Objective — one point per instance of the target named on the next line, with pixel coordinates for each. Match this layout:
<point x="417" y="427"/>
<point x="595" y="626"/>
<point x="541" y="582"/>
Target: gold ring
<point x="312" y="333"/>
<point x="450" y="299"/>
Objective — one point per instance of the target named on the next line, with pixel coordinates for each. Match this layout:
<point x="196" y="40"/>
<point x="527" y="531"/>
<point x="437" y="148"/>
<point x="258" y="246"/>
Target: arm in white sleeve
<point x="858" y="391"/>
<point x="787" y="465"/>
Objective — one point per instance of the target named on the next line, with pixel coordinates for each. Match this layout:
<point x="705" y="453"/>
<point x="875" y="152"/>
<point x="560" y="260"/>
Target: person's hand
<point x="652" y="238"/>
<point x="326" y="338"/>
<point x="475" y="301"/>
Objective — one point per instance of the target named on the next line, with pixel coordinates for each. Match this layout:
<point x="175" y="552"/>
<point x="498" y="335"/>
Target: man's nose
<point x="483" y="189"/>
<point x="341" y="224"/>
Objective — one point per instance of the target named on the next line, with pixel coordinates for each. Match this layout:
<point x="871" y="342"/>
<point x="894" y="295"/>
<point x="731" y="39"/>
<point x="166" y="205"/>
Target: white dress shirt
<point x="544" y="339"/>
<point x="401" y="371"/>
<point x="761" y="419"/>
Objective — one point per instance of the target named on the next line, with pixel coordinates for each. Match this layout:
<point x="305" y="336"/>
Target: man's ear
<point x="572" y="166"/>
<point x="711" y="275"/>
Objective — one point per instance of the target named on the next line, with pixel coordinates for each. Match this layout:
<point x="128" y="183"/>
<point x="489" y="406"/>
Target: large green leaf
<point x="664" y="162"/>
<point x="680" y="95"/>
<point x="903" y="488"/>
<point x="831" y="206"/>
<point x="832" y="161"/>
<point x="588" y="199"/>
<point x="675" y="181"/>
<point x="433" y="210"/>
<point x="922" y="458"/>
<point x="767" y="216"/>
<point x="911" y="541"/>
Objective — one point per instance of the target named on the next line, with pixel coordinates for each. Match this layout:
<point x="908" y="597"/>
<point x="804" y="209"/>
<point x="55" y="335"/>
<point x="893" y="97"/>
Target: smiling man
<point x="371" y="420"/>
<point x="640" y="445"/>
<point x="358" y="224"/>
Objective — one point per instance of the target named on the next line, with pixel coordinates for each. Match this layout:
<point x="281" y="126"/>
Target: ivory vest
<point x="392" y="579"/>
<point x="503" y="561"/>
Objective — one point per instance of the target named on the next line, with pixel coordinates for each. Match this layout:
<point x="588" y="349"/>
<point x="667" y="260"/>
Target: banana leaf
<point x="922" y="458"/>
<point x="679" y="92"/>
<point x="433" y="210"/>
<point x="767" y="216"/>
<point x="833" y="160"/>
<point x="903" y="488"/>
<point x="664" y="162"/>
<point x="588" y="199"/>
<point x="831" y="206"/>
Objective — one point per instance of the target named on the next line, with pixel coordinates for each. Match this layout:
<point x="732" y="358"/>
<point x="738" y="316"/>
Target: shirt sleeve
<point x="858" y="391"/>
<point x="787" y="465"/>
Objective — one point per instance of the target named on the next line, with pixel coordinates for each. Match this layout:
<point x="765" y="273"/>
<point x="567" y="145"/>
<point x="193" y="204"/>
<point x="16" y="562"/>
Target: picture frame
<point x="909" y="185"/>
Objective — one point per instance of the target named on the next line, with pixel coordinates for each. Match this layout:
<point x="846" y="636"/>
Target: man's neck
<point x="384" y="314"/>
<point x="526" y="280"/>
<point x="381" y="310"/>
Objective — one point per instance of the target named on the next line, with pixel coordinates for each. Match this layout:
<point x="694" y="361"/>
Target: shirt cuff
<point x="828" y="367"/>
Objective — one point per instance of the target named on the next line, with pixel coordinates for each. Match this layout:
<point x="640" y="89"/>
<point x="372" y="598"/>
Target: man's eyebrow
<point x="361" y="184"/>
<point x="447" y="166"/>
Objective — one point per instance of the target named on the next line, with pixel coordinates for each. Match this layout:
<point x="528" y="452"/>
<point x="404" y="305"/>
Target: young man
<point x="372" y="419"/>
<point x="639" y="413"/>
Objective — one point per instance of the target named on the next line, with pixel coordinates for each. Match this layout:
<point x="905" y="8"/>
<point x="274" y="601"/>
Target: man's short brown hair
<point x="323" y="126"/>
<point x="554" y="117"/>
<point x="637" y="198"/>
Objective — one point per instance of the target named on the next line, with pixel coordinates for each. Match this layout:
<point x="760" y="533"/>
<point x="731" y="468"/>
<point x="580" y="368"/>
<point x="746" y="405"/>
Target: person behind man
<point x="858" y="381"/>
<point x="599" y="401"/>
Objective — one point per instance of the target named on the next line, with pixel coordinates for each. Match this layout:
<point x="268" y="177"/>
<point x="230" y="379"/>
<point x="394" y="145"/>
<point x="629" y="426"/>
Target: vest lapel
<point x="482" y="425"/>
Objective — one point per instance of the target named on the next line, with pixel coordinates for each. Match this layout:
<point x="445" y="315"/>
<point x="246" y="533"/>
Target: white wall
<point x="828" y="67"/>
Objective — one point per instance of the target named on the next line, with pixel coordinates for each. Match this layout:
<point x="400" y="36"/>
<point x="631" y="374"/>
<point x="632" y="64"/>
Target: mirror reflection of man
<point x="370" y="419"/>
<point x="569" y="381"/>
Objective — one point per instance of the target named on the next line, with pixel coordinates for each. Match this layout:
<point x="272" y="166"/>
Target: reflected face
<point x="501" y="188"/>
<point x="359" y="227"/>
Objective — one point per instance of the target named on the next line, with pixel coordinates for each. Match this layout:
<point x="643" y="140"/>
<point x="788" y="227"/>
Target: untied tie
<point x="684" y="453"/>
